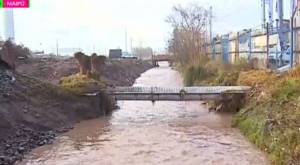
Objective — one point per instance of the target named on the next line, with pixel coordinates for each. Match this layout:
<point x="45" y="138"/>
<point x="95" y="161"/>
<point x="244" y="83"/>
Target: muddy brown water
<point x="145" y="133"/>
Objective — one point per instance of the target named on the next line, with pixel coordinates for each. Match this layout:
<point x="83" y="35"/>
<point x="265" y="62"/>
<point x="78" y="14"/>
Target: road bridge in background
<point x="162" y="58"/>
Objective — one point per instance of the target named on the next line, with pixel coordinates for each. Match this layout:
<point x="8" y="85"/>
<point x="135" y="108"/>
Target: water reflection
<point x="145" y="133"/>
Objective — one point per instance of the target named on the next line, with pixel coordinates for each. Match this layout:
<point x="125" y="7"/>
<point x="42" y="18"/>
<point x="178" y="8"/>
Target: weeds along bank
<point x="208" y="72"/>
<point x="270" y="114"/>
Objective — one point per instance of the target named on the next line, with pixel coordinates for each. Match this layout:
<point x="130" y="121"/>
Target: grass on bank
<point x="81" y="83"/>
<point x="213" y="73"/>
<point x="270" y="118"/>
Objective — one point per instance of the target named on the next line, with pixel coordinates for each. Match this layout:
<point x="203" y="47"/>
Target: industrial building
<point x="115" y="53"/>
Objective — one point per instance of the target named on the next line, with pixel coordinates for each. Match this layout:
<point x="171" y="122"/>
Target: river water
<point x="141" y="132"/>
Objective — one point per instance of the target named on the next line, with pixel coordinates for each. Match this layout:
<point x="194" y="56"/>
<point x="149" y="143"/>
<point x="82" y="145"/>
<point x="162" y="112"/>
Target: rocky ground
<point x="33" y="109"/>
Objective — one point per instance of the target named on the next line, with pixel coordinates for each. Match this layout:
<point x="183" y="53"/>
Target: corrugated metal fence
<point x="254" y="45"/>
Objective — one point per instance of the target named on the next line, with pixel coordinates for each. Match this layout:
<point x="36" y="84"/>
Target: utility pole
<point x="210" y="24"/>
<point x="268" y="41"/>
<point x="131" y="41"/>
<point x="263" y="3"/>
<point x="126" y="40"/>
<point x="56" y="47"/>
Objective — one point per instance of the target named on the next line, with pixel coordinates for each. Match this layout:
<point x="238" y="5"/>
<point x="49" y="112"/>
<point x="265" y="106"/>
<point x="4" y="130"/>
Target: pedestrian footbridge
<point x="176" y="94"/>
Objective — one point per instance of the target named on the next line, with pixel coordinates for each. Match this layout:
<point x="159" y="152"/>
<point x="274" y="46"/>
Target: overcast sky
<point x="101" y="24"/>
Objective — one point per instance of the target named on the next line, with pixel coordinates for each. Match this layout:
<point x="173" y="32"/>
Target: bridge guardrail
<point x="177" y="90"/>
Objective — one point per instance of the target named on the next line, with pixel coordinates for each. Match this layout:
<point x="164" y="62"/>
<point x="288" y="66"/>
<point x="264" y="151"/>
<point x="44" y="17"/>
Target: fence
<point x="260" y="45"/>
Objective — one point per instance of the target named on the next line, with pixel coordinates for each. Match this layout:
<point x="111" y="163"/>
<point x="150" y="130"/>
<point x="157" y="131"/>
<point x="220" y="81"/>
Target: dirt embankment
<point x="33" y="109"/>
<point x="32" y="112"/>
<point x="115" y="72"/>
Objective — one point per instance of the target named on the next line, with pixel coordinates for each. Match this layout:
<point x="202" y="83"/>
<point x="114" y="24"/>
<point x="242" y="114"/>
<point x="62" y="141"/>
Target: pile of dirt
<point x="114" y="72"/>
<point x="32" y="112"/>
<point x="10" y="53"/>
<point x="124" y="72"/>
<point x="48" y="69"/>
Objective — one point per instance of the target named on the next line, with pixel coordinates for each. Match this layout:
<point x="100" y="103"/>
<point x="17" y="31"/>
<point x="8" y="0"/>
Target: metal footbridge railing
<point x="176" y="94"/>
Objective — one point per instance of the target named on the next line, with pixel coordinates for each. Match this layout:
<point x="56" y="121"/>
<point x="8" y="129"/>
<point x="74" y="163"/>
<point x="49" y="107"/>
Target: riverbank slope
<point x="34" y="108"/>
<point x="269" y="115"/>
<point x="33" y="111"/>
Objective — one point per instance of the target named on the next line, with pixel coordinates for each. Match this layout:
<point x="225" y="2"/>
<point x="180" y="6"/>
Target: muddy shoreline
<point x="33" y="111"/>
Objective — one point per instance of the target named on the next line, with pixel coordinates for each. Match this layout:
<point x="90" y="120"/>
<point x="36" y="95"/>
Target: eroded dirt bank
<point x="115" y="72"/>
<point x="33" y="111"/>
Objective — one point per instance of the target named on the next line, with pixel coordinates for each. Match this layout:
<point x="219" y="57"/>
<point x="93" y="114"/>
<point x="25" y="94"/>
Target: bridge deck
<point x="176" y="94"/>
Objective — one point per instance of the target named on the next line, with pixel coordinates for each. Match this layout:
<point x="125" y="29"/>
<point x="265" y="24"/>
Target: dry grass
<point x="295" y="73"/>
<point x="81" y="83"/>
<point x="214" y="73"/>
<point x="271" y="115"/>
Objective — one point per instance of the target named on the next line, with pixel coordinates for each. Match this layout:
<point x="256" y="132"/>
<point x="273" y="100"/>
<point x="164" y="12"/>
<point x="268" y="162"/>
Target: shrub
<point x="194" y="73"/>
<point x="81" y="84"/>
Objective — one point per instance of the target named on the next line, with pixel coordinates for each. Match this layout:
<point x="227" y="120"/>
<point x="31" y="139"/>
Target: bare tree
<point x="189" y="32"/>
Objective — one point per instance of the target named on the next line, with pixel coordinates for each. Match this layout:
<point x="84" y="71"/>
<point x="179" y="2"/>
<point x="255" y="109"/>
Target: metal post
<point x="152" y="59"/>
<point x="270" y="13"/>
<point x="237" y="46"/>
<point x="292" y="42"/>
<point x="268" y="41"/>
<point x="282" y="37"/>
<point x="213" y="49"/>
<point x="292" y="38"/>
<point x="225" y="48"/>
<point x="250" y="45"/>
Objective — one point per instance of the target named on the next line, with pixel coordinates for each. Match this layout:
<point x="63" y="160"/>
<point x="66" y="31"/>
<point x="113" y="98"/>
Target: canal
<point x="152" y="133"/>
